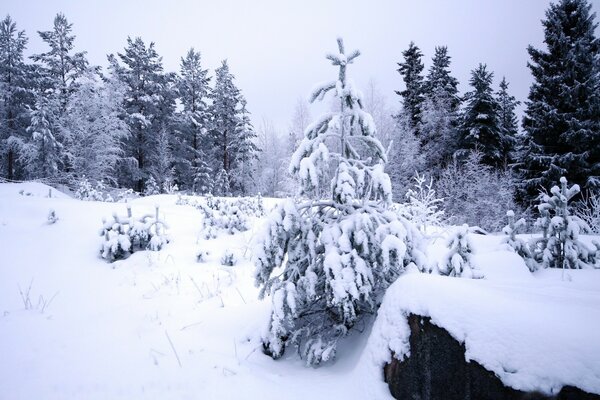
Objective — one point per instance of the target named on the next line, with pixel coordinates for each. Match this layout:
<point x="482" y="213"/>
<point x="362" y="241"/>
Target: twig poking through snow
<point x="173" y="347"/>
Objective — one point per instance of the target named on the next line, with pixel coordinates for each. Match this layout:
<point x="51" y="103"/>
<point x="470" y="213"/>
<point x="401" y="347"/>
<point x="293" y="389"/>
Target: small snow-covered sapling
<point x="458" y="260"/>
<point x="52" y="217"/>
<point x="229" y="258"/>
<point x="516" y="244"/>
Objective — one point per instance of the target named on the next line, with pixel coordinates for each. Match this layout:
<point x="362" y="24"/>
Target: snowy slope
<point x="108" y="331"/>
<point x="159" y="325"/>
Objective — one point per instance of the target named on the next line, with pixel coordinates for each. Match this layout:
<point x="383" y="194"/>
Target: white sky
<point x="276" y="48"/>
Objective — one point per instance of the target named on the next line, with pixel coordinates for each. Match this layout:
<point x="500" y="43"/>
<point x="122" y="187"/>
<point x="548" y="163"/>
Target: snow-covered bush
<point x="202" y="255"/>
<point x="170" y="187"/>
<point x="116" y="244"/>
<point x="458" y="259"/>
<point x="475" y="194"/>
<point x="560" y="246"/>
<point x="151" y="187"/>
<point x="340" y="254"/>
<point x="588" y="209"/>
<point x="514" y="243"/>
<point x="229" y="258"/>
<point x="52" y="217"/>
<point x="423" y="205"/>
<point x="86" y="192"/>
<point x="123" y="236"/>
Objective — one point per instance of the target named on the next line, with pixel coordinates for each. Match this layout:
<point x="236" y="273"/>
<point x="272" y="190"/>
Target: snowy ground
<point x="159" y="325"/>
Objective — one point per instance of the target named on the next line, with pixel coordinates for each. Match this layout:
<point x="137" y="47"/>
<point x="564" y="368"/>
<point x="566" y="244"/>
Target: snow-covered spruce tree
<point x="412" y="97"/>
<point x="15" y="98"/>
<point x="562" y="117"/>
<point x="338" y="254"/>
<point x="508" y="122"/>
<point x="560" y="246"/>
<point x="458" y="260"/>
<point x="517" y="245"/>
<point x="480" y="126"/>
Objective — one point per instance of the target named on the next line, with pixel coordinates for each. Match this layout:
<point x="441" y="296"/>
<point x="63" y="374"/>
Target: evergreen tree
<point x="15" y="97"/>
<point x="43" y="153"/>
<point x="148" y="104"/>
<point x="412" y="97"/>
<point x="231" y="133"/>
<point x="94" y="127"/>
<point x="339" y="254"/>
<point x="508" y="121"/>
<point x="562" y="118"/>
<point x="193" y="85"/>
<point x="439" y="133"/>
<point x="480" y="127"/>
<point x="62" y="65"/>
<point x="439" y="78"/>
<point x="245" y="152"/>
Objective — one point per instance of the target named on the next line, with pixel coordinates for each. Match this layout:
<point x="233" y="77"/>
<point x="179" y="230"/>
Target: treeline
<point x="62" y="119"/>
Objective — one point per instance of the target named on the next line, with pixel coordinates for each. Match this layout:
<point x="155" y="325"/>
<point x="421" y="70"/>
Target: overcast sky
<point x="276" y="48"/>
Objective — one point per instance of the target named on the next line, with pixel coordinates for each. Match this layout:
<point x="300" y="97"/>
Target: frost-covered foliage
<point x="560" y="246"/>
<point x="52" y="217"/>
<point x="517" y="245"/>
<point x="125" y="235"/>
<point x="202" y="255"/>
<point x="88" y="192"/>
<point x="339" y="254"/>
<point x="229" y="258"/>
<point x="588" y="209"/>
<point x="151" y="187"/>
<point x="476" y="194"/>
<point x="423" y="205"/>
<point x="458" y="260"/>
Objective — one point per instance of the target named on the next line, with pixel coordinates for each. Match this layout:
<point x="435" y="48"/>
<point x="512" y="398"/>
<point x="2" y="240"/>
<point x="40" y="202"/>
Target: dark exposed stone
<point x="437" y="369"/>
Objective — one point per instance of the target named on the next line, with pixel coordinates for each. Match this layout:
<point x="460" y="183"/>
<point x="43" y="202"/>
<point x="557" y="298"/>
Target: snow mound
<point x="30" y="189"/>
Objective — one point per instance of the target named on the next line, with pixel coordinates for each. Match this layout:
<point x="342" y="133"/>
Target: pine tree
<point x="480" y="127"/>
<point x="562" y="118"/>
<point x="149" y="105"/>
<point x="245" y="152"/>
<point x="231" y="133"/>
<point x="338" y="254"/>
<point x="412" y="97"/>
<point x="192" y="152"/>
<point x="62" y="65"/>
<point x="15" y="98"/>
<point x="508" y="121"/>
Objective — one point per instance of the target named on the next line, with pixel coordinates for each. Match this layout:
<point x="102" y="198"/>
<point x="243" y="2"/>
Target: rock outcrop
<point x="437" y="369"/>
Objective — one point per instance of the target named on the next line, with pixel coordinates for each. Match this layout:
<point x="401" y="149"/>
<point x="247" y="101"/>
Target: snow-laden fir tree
<point x="413" y="95"/>
<point x="480" y="128"/>
<point x="516" y="244"/>
<point x="457" y="262"/>
<point x="149" y="106"/>
<point x="44" y="151"/>
<point x="562" y="118"/>
<point x="15" y="97"/>
<point x="508" y="122"/>
<point x="439" y="78"/>
<point x="338" y="254"/>
<point x="191" y="162"/>
<point x="560" y="246"/>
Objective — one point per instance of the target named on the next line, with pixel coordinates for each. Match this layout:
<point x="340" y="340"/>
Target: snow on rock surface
<point x="535" y="332"/>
